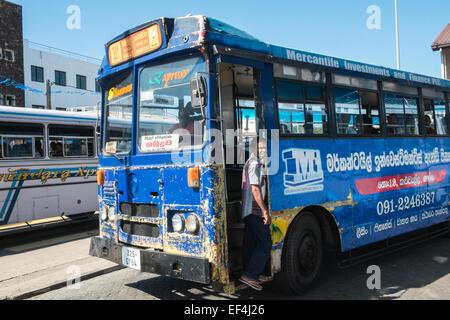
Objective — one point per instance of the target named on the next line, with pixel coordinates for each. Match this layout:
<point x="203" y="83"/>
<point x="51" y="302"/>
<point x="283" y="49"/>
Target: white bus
<point x="48" y="166"/>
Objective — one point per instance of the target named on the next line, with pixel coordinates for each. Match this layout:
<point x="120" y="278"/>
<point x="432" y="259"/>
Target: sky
<point x="330" y="27"/>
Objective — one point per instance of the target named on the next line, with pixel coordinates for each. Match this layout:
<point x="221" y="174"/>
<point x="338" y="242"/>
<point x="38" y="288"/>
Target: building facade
<point x="59" y="79"/>
<point x="11" y="54"/>
<point x="442" y="44"/>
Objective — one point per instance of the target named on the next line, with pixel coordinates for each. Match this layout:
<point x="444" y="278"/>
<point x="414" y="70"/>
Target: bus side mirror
<point x="199" y="96"/>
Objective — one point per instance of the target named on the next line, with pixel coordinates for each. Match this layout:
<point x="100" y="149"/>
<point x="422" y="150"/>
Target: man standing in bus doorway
<point x="257" y="234"/>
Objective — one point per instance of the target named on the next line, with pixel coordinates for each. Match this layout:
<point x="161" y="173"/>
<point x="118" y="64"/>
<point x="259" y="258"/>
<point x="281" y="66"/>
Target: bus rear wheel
<point x="302" y="255"/>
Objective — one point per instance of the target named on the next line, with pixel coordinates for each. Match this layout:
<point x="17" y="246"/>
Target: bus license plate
<point x="131" y="258"/>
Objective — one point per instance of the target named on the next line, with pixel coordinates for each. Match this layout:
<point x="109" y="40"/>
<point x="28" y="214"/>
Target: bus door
<point x="242" y="115"/>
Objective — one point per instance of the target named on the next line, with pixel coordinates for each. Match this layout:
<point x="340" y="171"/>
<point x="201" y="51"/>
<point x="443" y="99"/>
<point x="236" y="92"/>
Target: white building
<point x="71" y="77"/>
<point x="442" y="43"/>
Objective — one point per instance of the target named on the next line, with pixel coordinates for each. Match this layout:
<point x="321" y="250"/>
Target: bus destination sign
<point x="135" y="45"/>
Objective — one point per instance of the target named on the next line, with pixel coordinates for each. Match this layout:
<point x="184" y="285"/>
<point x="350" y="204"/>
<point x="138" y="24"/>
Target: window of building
<point x="401" y="115"/>
<point x="8" y="55"/>
<point x="98" y="88"/>
<point x="302" y="108"/>
<point x="36" y="106"/>
<point x="70" y="141"/>
<point x="37" y="74"/>
<point x="10" y="100"/>
<point x="21" y="140"/>
<point x="81" y="82"/>
<point x="60" y="78"/>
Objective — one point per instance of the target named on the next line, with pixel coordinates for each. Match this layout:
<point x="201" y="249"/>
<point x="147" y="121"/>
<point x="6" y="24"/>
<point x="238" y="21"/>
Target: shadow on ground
<point x="410" y="268"/>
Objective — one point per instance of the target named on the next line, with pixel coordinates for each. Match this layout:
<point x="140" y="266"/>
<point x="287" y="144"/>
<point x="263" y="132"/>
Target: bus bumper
<point x="176" y="266"/>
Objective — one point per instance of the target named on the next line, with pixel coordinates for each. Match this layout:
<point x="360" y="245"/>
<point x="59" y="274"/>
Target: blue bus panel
<point x="375" y="189"/>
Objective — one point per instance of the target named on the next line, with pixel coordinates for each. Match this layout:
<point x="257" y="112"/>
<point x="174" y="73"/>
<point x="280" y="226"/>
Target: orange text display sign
<point x="135" y="45"/>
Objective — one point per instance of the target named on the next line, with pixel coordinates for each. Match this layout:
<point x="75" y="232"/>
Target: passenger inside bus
<point x="428" y="125"/>
<point x="56" y="149"/>
<point x="393" y="126"/>
<point x="38" y="153"/>
<point x="185" y="119"/>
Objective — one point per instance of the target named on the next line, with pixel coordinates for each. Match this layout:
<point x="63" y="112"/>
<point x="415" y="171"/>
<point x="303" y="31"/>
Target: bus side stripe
<point x="5" y="204"/>
<point x="13" y="202"/>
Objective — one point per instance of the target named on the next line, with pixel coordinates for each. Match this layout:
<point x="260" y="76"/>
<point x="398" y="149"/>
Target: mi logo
<point x="303" y="171"/>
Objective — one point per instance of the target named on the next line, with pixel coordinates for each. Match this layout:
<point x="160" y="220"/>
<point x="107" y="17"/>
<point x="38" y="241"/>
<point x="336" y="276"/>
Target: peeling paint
<point x="281" y="220"/>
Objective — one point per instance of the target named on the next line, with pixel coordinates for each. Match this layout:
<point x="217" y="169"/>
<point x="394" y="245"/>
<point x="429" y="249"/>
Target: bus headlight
<point x="192" y="223"/>
<point x="103" y="212"/>
<point x="178" y="223"/>
<point x="111" y="213"/>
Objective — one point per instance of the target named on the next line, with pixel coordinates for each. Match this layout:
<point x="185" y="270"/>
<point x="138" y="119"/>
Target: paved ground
<point x="421" y="272"/>
<point x="43" y="261"/>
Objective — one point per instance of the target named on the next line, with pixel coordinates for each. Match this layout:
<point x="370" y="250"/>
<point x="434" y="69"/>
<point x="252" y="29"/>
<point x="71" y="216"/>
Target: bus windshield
<point x="118" y="114"/>
<point x="166" y="116"/>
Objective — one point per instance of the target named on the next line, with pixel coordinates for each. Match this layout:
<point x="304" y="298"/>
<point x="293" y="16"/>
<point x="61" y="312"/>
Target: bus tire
<point x="302" y="256"/>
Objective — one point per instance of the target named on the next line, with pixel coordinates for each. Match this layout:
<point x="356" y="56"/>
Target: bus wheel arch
<point x="311" y="232"/>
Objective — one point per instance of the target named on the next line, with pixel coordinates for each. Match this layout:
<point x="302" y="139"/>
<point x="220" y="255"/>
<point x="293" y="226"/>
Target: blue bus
<point x="358" y="154"/>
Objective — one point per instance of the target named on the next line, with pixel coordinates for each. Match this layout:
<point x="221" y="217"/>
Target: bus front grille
<point x="139" y="210"/>
<point x="140" y="229"/>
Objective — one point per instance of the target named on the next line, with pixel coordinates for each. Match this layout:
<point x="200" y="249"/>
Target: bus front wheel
<point x="302" y="255"/>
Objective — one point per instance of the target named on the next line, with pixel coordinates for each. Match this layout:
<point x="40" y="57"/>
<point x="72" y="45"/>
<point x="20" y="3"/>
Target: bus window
<point x="357" y="112"/>
<point x="411" y="116"/>
<point x="18" y="147"/>
<point x="440" y="117"/>
<point x="347" y="111"/>
<point x="435" y="117"/>
<point x="316" y="112"/>
<point x="301" y="108"/>
<point x="394" y="114"/>
<point x="21" y="140"/>
<point x="39" y="147"/>
<point x="246" y="118"/>
<point x="70" y="141"/>
<point x="430" y="123"/>
<point x="166" y="115"/>
<point x="292" y="118"/>
<point x="118" y="115"/>
<point x="370" y="113"/>
<point x="401" y="115"/>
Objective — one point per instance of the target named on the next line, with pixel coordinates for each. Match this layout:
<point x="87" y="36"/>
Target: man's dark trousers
<point x="257" y="246"/>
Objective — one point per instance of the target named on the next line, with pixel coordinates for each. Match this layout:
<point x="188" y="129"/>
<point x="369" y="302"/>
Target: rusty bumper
<point x="158" y="262"/>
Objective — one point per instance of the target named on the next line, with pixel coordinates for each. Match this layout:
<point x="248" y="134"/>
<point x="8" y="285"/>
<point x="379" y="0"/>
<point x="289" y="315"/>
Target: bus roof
<point x="28" y="114"/>
<point x="195" y="31"/>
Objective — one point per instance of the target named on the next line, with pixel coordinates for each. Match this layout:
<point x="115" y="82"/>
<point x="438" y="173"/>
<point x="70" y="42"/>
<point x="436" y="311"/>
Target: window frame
<point x="79" y="83"/>
<point x="63" y="138"/>
<point x="327" y="133"/>
<point x="32" y="136"/>
<point x="59" y="72"/>
<point x="359" y="90"/>
<point x="432" y="98"/>
<point x="34" y="77"/>
<point x="421" y="122"/>
<point x="6" y="96"/>
<point x="12" y="55"/>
